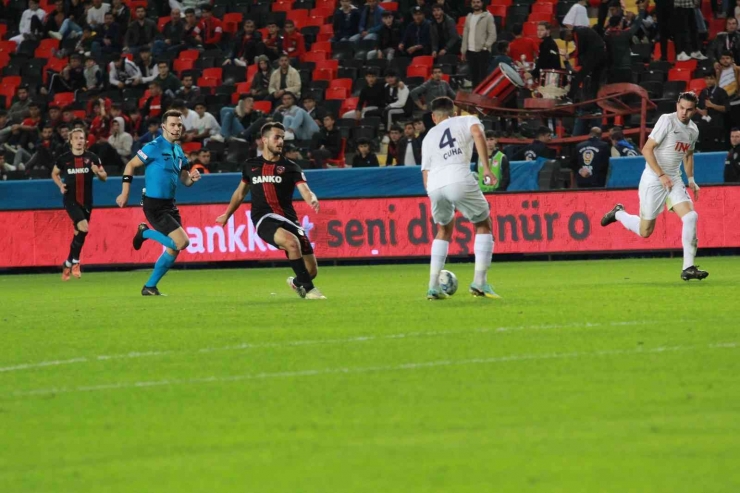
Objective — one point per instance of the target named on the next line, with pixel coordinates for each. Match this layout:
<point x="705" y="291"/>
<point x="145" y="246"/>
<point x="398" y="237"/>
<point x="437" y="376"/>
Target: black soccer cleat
<point x="611" y="216"/>
<point x="693" y="272"/>
<point x="139" y="238"/>
<point x="147" y="291"/>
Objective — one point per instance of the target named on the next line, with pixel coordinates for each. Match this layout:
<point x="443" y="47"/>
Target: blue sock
<point x="163" y="240"/>
<point x="164" y="262"/>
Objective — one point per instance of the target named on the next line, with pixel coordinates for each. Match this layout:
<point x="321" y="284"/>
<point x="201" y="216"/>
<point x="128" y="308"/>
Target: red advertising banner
<point x="365" y="228"/>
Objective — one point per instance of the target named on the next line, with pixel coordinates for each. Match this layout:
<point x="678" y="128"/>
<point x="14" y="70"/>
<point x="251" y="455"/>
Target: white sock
<point x="66" y="263"/>
<point x="75" y="261"/>
<point x="629" y="221"/>
<point x="439" y="257"/>
<point x="688" y="238"/>
<point x="483" y="249"/>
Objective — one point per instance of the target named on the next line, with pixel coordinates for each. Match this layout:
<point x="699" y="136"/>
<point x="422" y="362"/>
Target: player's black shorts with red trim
<point x="269" y="225"/>
<point x="77" y="212"/>
<point x="162" y="214"/>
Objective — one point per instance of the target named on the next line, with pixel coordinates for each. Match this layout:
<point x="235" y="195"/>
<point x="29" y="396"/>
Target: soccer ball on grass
<point x="448" y="282"/>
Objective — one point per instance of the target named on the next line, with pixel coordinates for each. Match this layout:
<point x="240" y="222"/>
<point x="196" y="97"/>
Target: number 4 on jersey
<point x="447" y="140"/>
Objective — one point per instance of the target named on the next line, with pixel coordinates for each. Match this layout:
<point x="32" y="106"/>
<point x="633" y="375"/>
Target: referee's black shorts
<point x="162" y="214"/>
<point x="77" y="212"/>
<point x="269" y="226"/>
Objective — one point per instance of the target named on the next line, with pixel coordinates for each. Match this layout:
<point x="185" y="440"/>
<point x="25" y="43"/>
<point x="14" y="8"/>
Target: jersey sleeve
<point x="186" y="165"/>
<point x="296" y="174"/>
<point x="97" y="162"/>
<point x="662" y="127"/>
<point x="426" y="154"/>
<point x="245" y="174"/>
<point x="147" y="153"/>
<point x="471" y="121"/>
<point x="694" y="139"/>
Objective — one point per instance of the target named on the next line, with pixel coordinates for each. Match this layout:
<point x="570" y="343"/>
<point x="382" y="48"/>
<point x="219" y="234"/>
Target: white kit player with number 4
<point x="445" y="166"/>
<point x="671" y="142"/>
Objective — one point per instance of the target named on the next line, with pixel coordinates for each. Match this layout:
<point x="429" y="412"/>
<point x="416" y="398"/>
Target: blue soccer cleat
<point x="483" y="291"/>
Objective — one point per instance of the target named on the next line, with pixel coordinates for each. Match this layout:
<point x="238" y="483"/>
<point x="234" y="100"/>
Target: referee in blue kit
<point x="165" y="163"/>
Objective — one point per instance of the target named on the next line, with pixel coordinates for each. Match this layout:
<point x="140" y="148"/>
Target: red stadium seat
<point x="327" y="4"/>
<point x="282" y="6"/>
<point x="180" y="65"/>
<point x="390" y="6"/>
<point x="232" y="22"/>
<point x="189" y="147"/>
<point x="679" y="74"/>
<point x="9" y="93"/>
<point x="544" y="8"/>
<point x="12" y="81"/>
<point x="505" y="3"/>
<point x="317" y="21"/>
<point x="80" y="114"/>
<point x="336" y="93"/>
<point x="204" y="82"/>
<point x="497" y="11"/>
<point x="3" y="30"/>
<point x="213" y="73"/>
<point x="324" y="36"/>
<point x="263" y="106"/>
<point x="529" y="28"/>
<point x="162" y="21"/>
<point x="340" y="160"/>
<point x="189" y="55"/>
<point x="49" y="43"/>
<point x="697" y="85"/>
<point x="327" y="29"/>
<point x="323" y="13"/>
<point x="687" y="65"/>
<point x="716" y="26"/>
<point x="539" y="17"/>
<point x="322" y="46"/>
<point x="418" y="71"/>
<point x="446" y="78"/>
<point x="314" y="56"/>
<point x="349" y="104"/>
<point x="671" y="51"/>
<point x="426" y="60"/>
<point x="299" y="17"/>
<point x="63" y="99"/>
<point x="345" y="83"/>
<point x="241" y="88"/>
<point x="323" y="74"/>
<point x="251" y="70"/>
<point x="8" y="46"/>
<point x="328" y="64"/>
<point x="45" y="52"/>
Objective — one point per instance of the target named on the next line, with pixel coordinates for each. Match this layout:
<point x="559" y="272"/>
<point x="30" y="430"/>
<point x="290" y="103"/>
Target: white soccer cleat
<point x="315" y="294"/>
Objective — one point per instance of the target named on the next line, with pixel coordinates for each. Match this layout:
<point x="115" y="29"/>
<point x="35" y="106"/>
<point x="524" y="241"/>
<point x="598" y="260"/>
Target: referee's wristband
<point x="127" y="178"/>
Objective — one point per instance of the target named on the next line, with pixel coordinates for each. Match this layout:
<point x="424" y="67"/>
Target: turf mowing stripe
<point x="311" y="342"/>
<point x="371" y="369"/>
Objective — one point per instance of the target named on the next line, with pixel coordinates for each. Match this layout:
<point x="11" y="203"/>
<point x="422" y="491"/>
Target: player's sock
<point x="302" y="277"/>
<point x="67" y="263"/>
<point x="483" y="248"/>
<point x="76" y="246"/>
<point x="437" y="262"/>
<point x="688" y="238"/>
<point x="629" y="221"/>
<point x="164" y="262"/>
<point x="160" y="238"/>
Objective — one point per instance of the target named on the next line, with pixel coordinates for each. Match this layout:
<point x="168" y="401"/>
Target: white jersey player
<point x="671" y="142"/>
<point x="445" y="167"/>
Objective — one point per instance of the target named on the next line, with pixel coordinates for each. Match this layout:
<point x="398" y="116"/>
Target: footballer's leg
<point x="165" y="261"/>
<point x="443" y="213"/>
<point x="76" y="248"/>
<point x="689" y="218"/>
<point x="79" y="220"/>
<point x="287" y="241"/>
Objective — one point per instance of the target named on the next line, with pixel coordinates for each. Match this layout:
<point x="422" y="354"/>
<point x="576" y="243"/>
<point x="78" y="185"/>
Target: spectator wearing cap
<point x="209" y="28"/>
<point x="346" y="21"/>
<point x="396" y="98"/>
<point x="284" y="79"/>
<point x="417" y="39"/>
<point x="94" y="79"/>
<point x="372" y="97"/>
<point x="173" y="36"/>
<point x="168" y="81"/>
<point x="326" y="143"/>
<point x="32" y="23"/>
<point x="272" y="43"/>
<point x="147" y="65"/>
<point x="293" y="45"/>
<point x="444" y="37"/>
<point x="408" y="148"/>
<point x="248" y="46"/>
<point x="123" y="72"/>
<point x="371" y="21"/>
<point x="432" y="89"/>
<point x="188" y="92"/>
<point x="141" y="32"/>
<point x="364" y="157"/>
<point x="479" y="35"/>
<point x="237" y="118"/>
<point x="388" y="39"/>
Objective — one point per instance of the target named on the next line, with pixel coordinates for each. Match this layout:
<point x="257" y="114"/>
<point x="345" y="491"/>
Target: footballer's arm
<point x="56" y="176"/>
<point x="688" y="164"/>
<point x="187" y="178"/>
<point x="308" y="196"/>
<point x="236" y="200"/>
<point x="128" y="176"/>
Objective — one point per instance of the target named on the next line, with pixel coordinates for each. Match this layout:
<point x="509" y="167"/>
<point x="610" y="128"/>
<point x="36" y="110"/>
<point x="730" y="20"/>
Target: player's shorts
<point x="464" y="196"/>
<point x="162" y="214"/>
<point x="268" y="226"/>
<point x="653" y="196"/>
<point x="77" y="212"/>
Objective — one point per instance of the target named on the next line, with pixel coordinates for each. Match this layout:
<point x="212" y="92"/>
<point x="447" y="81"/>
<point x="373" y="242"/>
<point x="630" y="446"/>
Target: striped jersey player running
<point x="445" y="166"/>
<point x="671" y="142"/>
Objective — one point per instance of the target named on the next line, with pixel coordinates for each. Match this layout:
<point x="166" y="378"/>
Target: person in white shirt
<point x="671" y="142"/>
<point x="32" y="20"/>
<point x="119" y="139"/>
<point x="445" y="166"/>
<point x="205" y="125"/>
<point x="96" y="13"/>
<point x="123" y="72"/>
<point x="577" y="16"/>
<point x="396" y="95"/>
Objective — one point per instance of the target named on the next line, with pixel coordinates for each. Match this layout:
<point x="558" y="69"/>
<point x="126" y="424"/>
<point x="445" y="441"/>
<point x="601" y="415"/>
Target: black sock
<point x="72" y="249"/>
<point x="76" y="246"/>
<point x="302" y="277"/>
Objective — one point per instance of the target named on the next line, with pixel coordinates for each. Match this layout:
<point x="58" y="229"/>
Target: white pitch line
<point x="312" y="342"/>
<point x="361" y="370"/>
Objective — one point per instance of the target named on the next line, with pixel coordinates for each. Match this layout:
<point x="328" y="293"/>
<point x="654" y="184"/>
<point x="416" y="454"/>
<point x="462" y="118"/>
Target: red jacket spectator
<point x="293" y="43"/>
<point x="523" y="46"/>
<point x="209" y="28"/>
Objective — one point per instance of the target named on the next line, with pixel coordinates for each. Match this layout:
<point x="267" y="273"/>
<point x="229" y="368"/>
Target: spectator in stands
<point x="326" y="143"/>
<point x="237" y="118"/>
<point x="617" y="41"/>
<point x="577" y="16"/>
<point x="621" y="147"/>
<point x="284" y="79"/>
<point x="70" y="79"/>
<point x="273" y="42"/>
<point x="615" y="11"/>
<point x="156" y="103"/>
<point x="372" y="97"/>
<point x="592" y="161"/>
<point x="443" y="33"/>
<point x="396" y="98"/>
<point x="523" y="50"/>
<point x="18" y="110"/>
<point x="60" y="23"/>
<point x="122" y="14"/>
<point x="293" y="45"/>
<point x="119" y="139"/>
<point x="433" y="88"/>
<point x="32" y="23"/>
<point x="591" y="52"/>
<point x="260" y="88"/>
<point x="371" y="21"/>
<point x="499" y="166"/>
<point x="420" y="129"/>
<point x="647" y="32"/>
<point x="168" y="81"/>
<point x="364" y="157"/>
<point x="538" y="148"/>
<point x="86" y="42"/>
<point x="503" y="48"/>
<point x="54" y="116"/>
<point x="191" y="39"/>
<point x="685" y="34"/>
<point x="153" y="131"/>
<point x="408" y="148"/>
<point x="203" y="162"/>
<point x="479" y="35"/>
<point x="209" y="28"/>
<point x="94" y="78"/>
<point x="663" y="13"/>
<point x="147" y="66"/>
<point x="417" y="39"/>
<point x="711" y="110"/>
<point x="188" y="92"/>
<point x="100" y="126"/>
<point x="206" y="125"/>
<point x="96" y="13"/>
<point x="107" y="38"/>
<point x="346" y="21"/>
<point x="388" y="39"/>
<point x="317" y="113"/>
<point x="728" y="74"/>
<point x="248" y="46"/>
<point x="725" y="41"/>
<point x="141" y="32"/>
<point x="298" y="125"/>
<point x="189" y="118"/>
<point x="5" y="128"/>
<point x="448" y="6"/>
<point x="116" y="111"/>
<point x="173" y="36"/>
<point x="45" y="150"/>
<point x="732" y="162"/>
<point x="122" y="72"/>
<point x="394" y="137"/>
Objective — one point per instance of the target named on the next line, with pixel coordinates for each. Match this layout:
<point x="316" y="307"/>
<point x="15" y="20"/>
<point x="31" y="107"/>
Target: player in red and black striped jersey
<point x="73" y="173"/>
<point x="273" y="179"/>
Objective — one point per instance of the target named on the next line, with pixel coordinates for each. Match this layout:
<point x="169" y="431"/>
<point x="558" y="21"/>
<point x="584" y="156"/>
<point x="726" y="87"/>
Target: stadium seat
<point x="418" y="71"/>
<point x="345" y="83"/>
<point x="348" y="104"/>
<point x="539" y="17"/>
<point x="689" y="65"/>
<point x="671" y="51"/>
<point x="314" y="56"/>
<point x="340" y="160"/>
<point x="327" y="4"/>
<point x="180" y="65"/>
<point x="322" y="46"/>
<point x="263" y="106"/>
<point x="505" y="3"/>
<point x="282" y="6"/>
<point x="543" y="8"/>
<point x="162" y="21"/>
<point x="63" y="99"/>
<point x="251" y="70"/>
<point x="653" y="76"/>
<point x="529" y="29"/>
<point x="673" y="88"/>
<point x="213" y="73"/>
<point x="8" y="46"/>
<point x="232" y="22"/>
<point x="299" y="17"/>
<point x="427" y="60"/>
<point x="8" y="92"/>
<point x="323" y="13"/>
<point x="390" y="6"/>
<point x="679" y="74"/>
<point x="697" y="85"/>
<point x="336" y="93"/>
<point x="654" y="89"/>
<point x="189" y="147"/>
<point x="332" y="65"/>
<point x="189" y="55"/>
<point x="322" y="74"/>
<point x="205" y="82"/>
<point x="497" y="11"/>
<point x="241" y="88"/>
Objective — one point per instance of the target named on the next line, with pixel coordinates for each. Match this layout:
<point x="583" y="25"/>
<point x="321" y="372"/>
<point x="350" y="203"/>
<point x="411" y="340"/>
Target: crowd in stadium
<point x="350" y="79"/>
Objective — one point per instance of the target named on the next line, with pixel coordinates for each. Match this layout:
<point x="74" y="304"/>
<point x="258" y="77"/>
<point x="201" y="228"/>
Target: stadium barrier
<point x="625" y="172"/>
<point x="537" y="223"/>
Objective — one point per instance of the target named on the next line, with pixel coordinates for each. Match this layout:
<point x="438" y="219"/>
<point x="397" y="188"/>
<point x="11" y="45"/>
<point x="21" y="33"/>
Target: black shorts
<point x="77" y="212"/>
<point x="162" y="214"/>
<point x="269" y="225"/>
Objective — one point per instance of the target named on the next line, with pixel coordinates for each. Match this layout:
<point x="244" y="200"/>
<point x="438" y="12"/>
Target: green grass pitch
<point x="596" y="376"/>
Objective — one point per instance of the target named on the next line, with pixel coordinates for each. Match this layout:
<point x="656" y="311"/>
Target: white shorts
<point x="653" y="196"/>
<point x="464" y="196"/>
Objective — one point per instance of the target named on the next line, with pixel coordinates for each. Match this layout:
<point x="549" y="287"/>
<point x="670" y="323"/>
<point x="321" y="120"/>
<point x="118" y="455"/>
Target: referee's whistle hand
<point x="195" y="175"/>
<point x="121" y="200"/>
